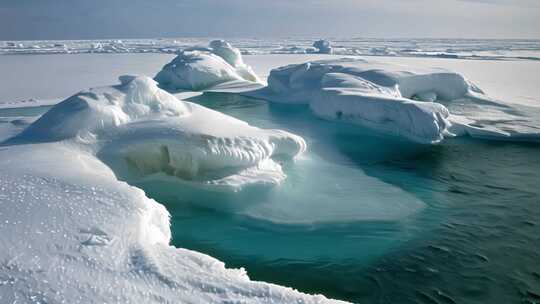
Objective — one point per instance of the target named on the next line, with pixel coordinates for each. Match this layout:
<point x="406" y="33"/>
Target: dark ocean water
<point x="374" y="220"/>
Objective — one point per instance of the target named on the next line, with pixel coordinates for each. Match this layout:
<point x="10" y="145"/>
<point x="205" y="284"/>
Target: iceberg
<point x="217" y="67"/>
<point x="73" y="232"/>
<point x="149" y="131"/>
<point x="422" y="105"/>
<point x="323" y="46"/>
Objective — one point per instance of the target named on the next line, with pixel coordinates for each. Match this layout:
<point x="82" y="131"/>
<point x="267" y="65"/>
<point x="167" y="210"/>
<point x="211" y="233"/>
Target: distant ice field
<point x="444" y="48"/>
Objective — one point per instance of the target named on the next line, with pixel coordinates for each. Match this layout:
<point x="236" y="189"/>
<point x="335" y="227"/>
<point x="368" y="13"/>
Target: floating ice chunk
<point x="415" y="104"/>
<point x="367" y="94"/>
<point x="323" y="46"/>
<point x="424" y="123"/>
<point x="204" y="68"/>
<point x="195" y="70"/>
<point x="145" y="131"/>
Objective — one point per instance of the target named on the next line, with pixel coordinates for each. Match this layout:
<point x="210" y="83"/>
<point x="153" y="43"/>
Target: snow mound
<point x="202" y="69"/>
<point x="323" y="46"/>
<point x="420" y="105"/>
<point x="142" y="130"/>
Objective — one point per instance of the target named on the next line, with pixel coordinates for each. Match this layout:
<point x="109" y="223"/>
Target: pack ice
<point x="419" y="105"/>
<point x="73" y="233"/>
<point x="217" y="67"/>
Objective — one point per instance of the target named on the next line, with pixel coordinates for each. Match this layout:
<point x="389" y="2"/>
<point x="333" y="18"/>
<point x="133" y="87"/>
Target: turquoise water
<point x="375" y="220"/>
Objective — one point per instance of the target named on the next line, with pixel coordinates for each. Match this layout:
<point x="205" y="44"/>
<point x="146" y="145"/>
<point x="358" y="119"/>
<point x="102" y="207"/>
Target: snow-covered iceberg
<point x="145" y="130"/>
<point x="72" y="232"/>
<point x="420" y="105"/>
<point x="218" y="67"/>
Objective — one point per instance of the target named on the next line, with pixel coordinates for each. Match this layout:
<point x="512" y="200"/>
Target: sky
<point x="92" y="19"/>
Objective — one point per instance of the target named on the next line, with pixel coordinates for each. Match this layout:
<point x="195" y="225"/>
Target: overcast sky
<point x="86" y="19"/>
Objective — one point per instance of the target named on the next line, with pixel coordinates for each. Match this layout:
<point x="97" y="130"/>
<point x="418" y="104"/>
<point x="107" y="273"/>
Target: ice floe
<point x="72" y="232"/>
<point x="217" y="67"/>
<point x="422" y="105"/>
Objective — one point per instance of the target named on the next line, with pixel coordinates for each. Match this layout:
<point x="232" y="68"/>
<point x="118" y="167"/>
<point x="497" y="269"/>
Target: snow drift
<point x="219" y="66"/>
<point x="72" y="232"/>
<point x="420" y="105"/>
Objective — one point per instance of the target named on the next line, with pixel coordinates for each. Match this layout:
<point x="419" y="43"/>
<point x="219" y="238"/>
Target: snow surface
<point x="200" y="69"/>
<point x="422" y="105"/>
<point x="72" y="232"/>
